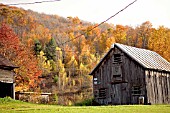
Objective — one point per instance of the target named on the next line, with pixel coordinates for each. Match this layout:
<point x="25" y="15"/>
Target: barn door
<point x="116" y="95"/>
<point x="119" y="94"/>
<point x="6" y="89"/>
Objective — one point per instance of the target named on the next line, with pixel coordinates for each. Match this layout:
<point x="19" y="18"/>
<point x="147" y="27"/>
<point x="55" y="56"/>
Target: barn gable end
<point x="121" y="77"/>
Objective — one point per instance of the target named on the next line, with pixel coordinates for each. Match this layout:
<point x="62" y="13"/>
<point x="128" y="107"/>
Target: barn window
<point x="95" y="81"/>
<point x="117" y="58"/>
<point x="102" y="93"/>
<point x="116" y="70"/>
<point x="136" y="90"/>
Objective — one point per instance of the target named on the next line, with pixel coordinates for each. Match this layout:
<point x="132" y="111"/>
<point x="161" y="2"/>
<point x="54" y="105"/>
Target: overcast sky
<point x="155" y="11"/>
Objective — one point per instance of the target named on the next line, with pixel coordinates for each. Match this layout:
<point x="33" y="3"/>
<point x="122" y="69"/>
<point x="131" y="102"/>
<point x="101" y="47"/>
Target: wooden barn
<point x="6" y="78"/>
<point x="130" y="75"/>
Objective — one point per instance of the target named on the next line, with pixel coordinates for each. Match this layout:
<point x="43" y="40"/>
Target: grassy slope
<point x="11" y="106"/>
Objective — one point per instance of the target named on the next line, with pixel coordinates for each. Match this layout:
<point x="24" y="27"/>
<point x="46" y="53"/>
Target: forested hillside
<point x="55" y="54"/>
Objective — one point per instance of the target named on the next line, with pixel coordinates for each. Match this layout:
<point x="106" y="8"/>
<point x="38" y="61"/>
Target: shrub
<point x="88" y="102"/>
<point x="7" y="99"/>
<point x="56" y="79"/>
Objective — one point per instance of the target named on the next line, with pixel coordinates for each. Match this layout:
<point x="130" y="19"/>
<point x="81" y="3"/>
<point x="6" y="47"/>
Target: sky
<point x="96" y="11"/>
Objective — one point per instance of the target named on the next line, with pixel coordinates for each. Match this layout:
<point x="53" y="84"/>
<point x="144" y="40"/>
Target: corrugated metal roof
<point x="146" y="58"/>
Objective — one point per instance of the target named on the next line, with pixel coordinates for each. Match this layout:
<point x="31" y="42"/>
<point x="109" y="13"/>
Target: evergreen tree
<point x="50" y="50"/>
<point x="37" y="47"/>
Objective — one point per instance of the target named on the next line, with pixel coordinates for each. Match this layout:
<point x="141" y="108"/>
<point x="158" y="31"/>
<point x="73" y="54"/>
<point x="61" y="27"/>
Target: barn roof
<point x="6" y="63"/>
<point x="146" y="58"/>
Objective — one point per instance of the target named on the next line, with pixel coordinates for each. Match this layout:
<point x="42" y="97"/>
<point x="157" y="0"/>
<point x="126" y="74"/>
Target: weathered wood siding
<point x="118" y="88"/>
<point x="132" y="75"/>
<point x="6" y="76"/>
<point x="158" y="87"/>
<point x="153" y="85"/>
<point x="119" y="79"/>
<point x="7" y="86"/>
<point x="103" y="81"/>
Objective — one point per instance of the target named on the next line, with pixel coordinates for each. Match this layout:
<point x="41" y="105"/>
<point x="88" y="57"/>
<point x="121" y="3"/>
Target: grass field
<point x="11" y="106"/>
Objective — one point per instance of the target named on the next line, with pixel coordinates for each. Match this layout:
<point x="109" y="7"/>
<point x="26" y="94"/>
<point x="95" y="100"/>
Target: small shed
<point x="7" y="85"/>
<point x="130" y="75"/>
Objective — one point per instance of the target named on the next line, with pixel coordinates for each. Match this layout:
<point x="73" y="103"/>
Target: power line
<point x="33" y="2"/>
<point x="101" y="22"/>
<point x="89" y="29"/>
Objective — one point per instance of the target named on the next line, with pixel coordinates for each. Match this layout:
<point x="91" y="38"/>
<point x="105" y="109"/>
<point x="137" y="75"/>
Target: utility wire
<point x="33" y="2"/>
<point x="101" y="22"/>
<point x="89" y="29"/>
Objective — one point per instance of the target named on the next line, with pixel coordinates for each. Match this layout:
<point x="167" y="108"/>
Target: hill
<point x="56" y="54"/>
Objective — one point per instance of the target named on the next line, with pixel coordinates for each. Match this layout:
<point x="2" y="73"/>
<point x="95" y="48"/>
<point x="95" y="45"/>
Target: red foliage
<point x="22" y="56"/>
<point x="8" y="39"/>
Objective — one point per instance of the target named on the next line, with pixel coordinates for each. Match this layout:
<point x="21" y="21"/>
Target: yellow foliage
<point x="109" y="42"/>
<point x="72" y="62"/>
<point x="74" y="82"/>
<point x="21" y="88"/>
<point x="44" y="64"/>
<point x="71" y="35"/>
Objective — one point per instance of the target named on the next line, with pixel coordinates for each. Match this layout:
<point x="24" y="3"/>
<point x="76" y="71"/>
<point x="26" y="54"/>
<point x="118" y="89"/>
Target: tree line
<point x="47" y="47"/>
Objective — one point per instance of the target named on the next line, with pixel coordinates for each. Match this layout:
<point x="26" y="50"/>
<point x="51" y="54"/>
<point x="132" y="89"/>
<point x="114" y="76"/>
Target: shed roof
<point x="4" y="62"/>
<point x="146" y="58"/>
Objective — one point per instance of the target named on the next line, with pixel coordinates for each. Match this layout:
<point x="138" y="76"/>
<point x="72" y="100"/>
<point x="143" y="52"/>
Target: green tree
<point x="37" y="47"/>
<point x="50" y="50"/>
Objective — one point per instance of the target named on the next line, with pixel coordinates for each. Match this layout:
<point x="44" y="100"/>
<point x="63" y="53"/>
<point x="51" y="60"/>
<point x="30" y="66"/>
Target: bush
<point x="56" y="79"/>
<point x="7" y="99"/>
<point x="88" y="102"/>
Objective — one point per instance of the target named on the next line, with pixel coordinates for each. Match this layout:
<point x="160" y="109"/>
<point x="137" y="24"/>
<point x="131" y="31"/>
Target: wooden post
<point x="13" y="89"/>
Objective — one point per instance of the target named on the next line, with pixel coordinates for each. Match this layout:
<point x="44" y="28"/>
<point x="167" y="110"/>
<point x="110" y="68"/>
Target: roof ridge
<point x="147" y="58"/>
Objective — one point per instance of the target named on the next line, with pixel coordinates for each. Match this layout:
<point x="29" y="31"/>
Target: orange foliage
<point x="22" y="56"/>
<point x="86" y="49"/>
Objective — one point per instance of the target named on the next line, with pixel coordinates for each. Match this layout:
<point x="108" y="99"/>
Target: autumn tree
<point x="159" y="41"/>
<point x="22" y="56"/>
<point x="130" y="36"/>
<point x="43" y="63"/>
<point x="11" y="15"/>
<point x="142" y="34"/>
